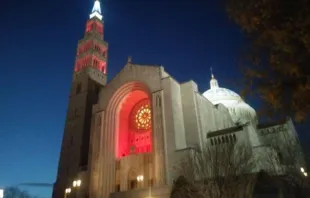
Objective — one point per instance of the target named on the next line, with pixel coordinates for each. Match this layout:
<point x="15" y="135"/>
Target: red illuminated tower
<point x="89" y="77"/>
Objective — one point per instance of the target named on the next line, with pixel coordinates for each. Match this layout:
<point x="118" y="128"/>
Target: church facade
<point x="122" y="138"/>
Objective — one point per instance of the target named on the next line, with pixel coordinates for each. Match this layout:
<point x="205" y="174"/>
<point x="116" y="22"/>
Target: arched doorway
<point x="130" y="114"/>
<point x="132" y="179"/>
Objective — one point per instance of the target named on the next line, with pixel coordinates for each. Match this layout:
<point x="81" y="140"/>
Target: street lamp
<point x="140" y="178"/>
<point x="67" y="191"/>
<point x="303" y="171"/>
<point x="77" y="183"/>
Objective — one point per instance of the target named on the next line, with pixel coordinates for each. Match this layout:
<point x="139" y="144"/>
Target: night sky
<point x="38" y="46"/>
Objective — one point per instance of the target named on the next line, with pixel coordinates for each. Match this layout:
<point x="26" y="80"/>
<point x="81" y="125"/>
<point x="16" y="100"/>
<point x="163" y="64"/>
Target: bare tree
<point x="288" y="166"/>
<point x="223" y="171"/>
<point x="15" y="192"/>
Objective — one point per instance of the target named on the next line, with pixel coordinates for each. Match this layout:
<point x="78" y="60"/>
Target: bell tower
<point x="89" y="76"/>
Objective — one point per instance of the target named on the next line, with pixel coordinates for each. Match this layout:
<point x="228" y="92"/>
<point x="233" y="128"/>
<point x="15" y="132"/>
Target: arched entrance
<point x="132" y="179"/>
<point x="130" y="116"/>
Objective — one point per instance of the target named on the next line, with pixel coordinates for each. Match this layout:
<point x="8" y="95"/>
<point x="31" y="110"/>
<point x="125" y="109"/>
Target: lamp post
<point x="67" y="192"/>
<point x="76" y="185"/>
<point x="140" y="179"/>
<point x="302" y="170"/>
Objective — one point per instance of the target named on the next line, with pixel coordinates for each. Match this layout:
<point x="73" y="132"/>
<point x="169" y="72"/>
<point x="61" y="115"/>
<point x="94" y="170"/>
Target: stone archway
<point x="129" y="118"/>
<point x="132" y="179"/>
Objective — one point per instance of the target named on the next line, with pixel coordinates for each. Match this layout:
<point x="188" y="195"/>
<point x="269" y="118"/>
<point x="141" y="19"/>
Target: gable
<point x="150" y="76"/>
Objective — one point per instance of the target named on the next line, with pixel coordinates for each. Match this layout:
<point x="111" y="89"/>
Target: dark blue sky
<point x="38" y="46"/>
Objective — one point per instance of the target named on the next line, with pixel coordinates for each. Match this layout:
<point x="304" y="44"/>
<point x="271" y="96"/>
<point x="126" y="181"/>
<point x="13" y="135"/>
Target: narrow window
<point x="117" y="188"/>
<point x="71" y="140"/>
<point x="158" y="101"/>
<point x="226" y="138"/>
<point x="78" y="88"/>
<point x="133" y="184"/>
<point x="99" y="121"/>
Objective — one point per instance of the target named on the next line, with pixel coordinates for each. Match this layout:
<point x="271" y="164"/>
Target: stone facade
<point x="104" y="147"/>
<point x="74" y="152"/>
<point x="172" y="128"/>
<point x="88" y="78"/>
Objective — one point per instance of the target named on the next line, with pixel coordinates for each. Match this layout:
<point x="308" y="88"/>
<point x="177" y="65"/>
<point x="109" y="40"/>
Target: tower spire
<point x="92" y="49"/>
<point x="96" y="11"/>
<point x="212" y="76"/>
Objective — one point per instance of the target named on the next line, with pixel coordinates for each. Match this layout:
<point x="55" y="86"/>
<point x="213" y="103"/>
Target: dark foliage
<point x="183" y="189"/>
<point x="277" y="61"/>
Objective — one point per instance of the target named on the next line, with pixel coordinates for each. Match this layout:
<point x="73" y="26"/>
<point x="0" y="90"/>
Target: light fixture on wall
<point x="303" y="171"/>
<point x="140" y="178"/>
<point x="67" y="191"/>
<point x="77" y="183"/>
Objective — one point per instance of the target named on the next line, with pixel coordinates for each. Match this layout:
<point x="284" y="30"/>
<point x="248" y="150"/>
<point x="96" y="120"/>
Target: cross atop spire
<point x="129" y="59"/>
<point x="96" y="11"/>
<point x="212" y="76"/>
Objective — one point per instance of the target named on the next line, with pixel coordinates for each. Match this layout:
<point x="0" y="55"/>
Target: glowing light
<point x="306" y="174"/>
<point x="302" y="169"/>
<point x="68" y="190"/>
<point x="77" y="183"/>
<point x="143" y="117"/>
<point x="96" y="7"/>
<point x="132" y="140"/>
<point x="140" y="178"/>
<point x="95" y="14"/>
<point x="96" y="11"/>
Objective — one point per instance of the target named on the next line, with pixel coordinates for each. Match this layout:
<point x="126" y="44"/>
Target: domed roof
<point x="238" y="109"/>
<point x="221" y="94"/>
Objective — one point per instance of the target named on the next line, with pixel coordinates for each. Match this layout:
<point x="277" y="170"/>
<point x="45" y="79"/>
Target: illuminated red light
<point x="135" y="128"/>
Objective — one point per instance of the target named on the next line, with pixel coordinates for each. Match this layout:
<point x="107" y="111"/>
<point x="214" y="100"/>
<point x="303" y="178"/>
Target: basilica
<point x="123" y="137"/>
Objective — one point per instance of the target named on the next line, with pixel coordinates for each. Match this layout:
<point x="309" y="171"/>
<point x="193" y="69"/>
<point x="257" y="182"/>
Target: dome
<point x="240" y="111"/>
<point x="221" y="95"/>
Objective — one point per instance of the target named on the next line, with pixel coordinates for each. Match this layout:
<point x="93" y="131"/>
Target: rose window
<point x="141" y="116"/>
